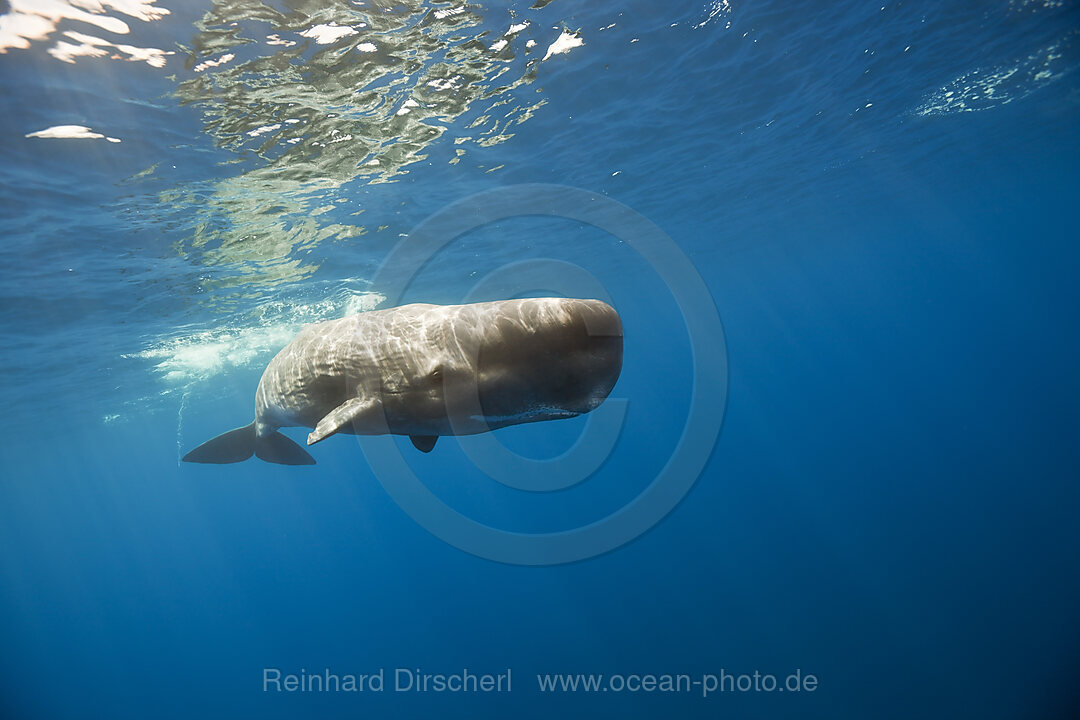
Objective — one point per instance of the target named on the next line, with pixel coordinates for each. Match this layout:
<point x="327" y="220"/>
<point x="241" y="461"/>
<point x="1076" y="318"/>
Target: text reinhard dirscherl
<point x="413" y="680"/>
<point x="400" y="680"/>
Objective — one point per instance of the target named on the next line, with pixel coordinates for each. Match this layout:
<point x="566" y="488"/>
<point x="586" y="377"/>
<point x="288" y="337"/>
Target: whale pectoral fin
<point x="277" y="448"/>
<point x="424" y="443"/>
<point x="345" y="413"/>
<point x="231" y="447"/>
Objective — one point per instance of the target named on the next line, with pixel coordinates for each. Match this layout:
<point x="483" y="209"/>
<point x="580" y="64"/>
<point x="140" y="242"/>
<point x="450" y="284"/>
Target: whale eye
<point x="436" y="375"/>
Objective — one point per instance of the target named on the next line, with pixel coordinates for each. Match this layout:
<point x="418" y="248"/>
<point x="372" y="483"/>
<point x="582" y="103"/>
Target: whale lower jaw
<point x="524" y="417"/>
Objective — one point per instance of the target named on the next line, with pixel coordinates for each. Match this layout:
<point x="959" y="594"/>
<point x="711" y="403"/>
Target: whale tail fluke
<point x="277" y="448"/>
<point x="240" y="444"/>
<point x="231" y="447"/>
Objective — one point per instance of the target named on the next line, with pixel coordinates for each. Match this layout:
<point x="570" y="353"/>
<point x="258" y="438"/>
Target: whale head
<point x="547" y="358"/>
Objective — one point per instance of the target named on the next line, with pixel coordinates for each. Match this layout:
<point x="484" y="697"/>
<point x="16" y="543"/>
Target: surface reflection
<point x="313" y="95"/>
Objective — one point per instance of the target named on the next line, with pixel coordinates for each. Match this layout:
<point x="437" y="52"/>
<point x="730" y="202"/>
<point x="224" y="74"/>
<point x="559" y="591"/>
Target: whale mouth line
<point x="547" y="412"/>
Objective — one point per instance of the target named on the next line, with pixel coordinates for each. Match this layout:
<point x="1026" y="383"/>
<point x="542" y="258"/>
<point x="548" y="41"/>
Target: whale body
<point x="430" y="370"/>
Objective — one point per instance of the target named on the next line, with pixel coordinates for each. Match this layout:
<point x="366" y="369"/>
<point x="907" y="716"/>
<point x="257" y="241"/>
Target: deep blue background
<point x="892" y="502"/>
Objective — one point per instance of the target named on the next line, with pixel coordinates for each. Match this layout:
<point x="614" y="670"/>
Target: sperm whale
<point x="430" y="370"/>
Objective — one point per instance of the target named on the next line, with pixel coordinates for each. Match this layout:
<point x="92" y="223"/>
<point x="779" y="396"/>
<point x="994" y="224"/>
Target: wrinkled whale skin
<point x="430" y="370"/>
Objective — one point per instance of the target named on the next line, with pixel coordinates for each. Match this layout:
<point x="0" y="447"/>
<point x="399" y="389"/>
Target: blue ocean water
<point x="879" y="198"/>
